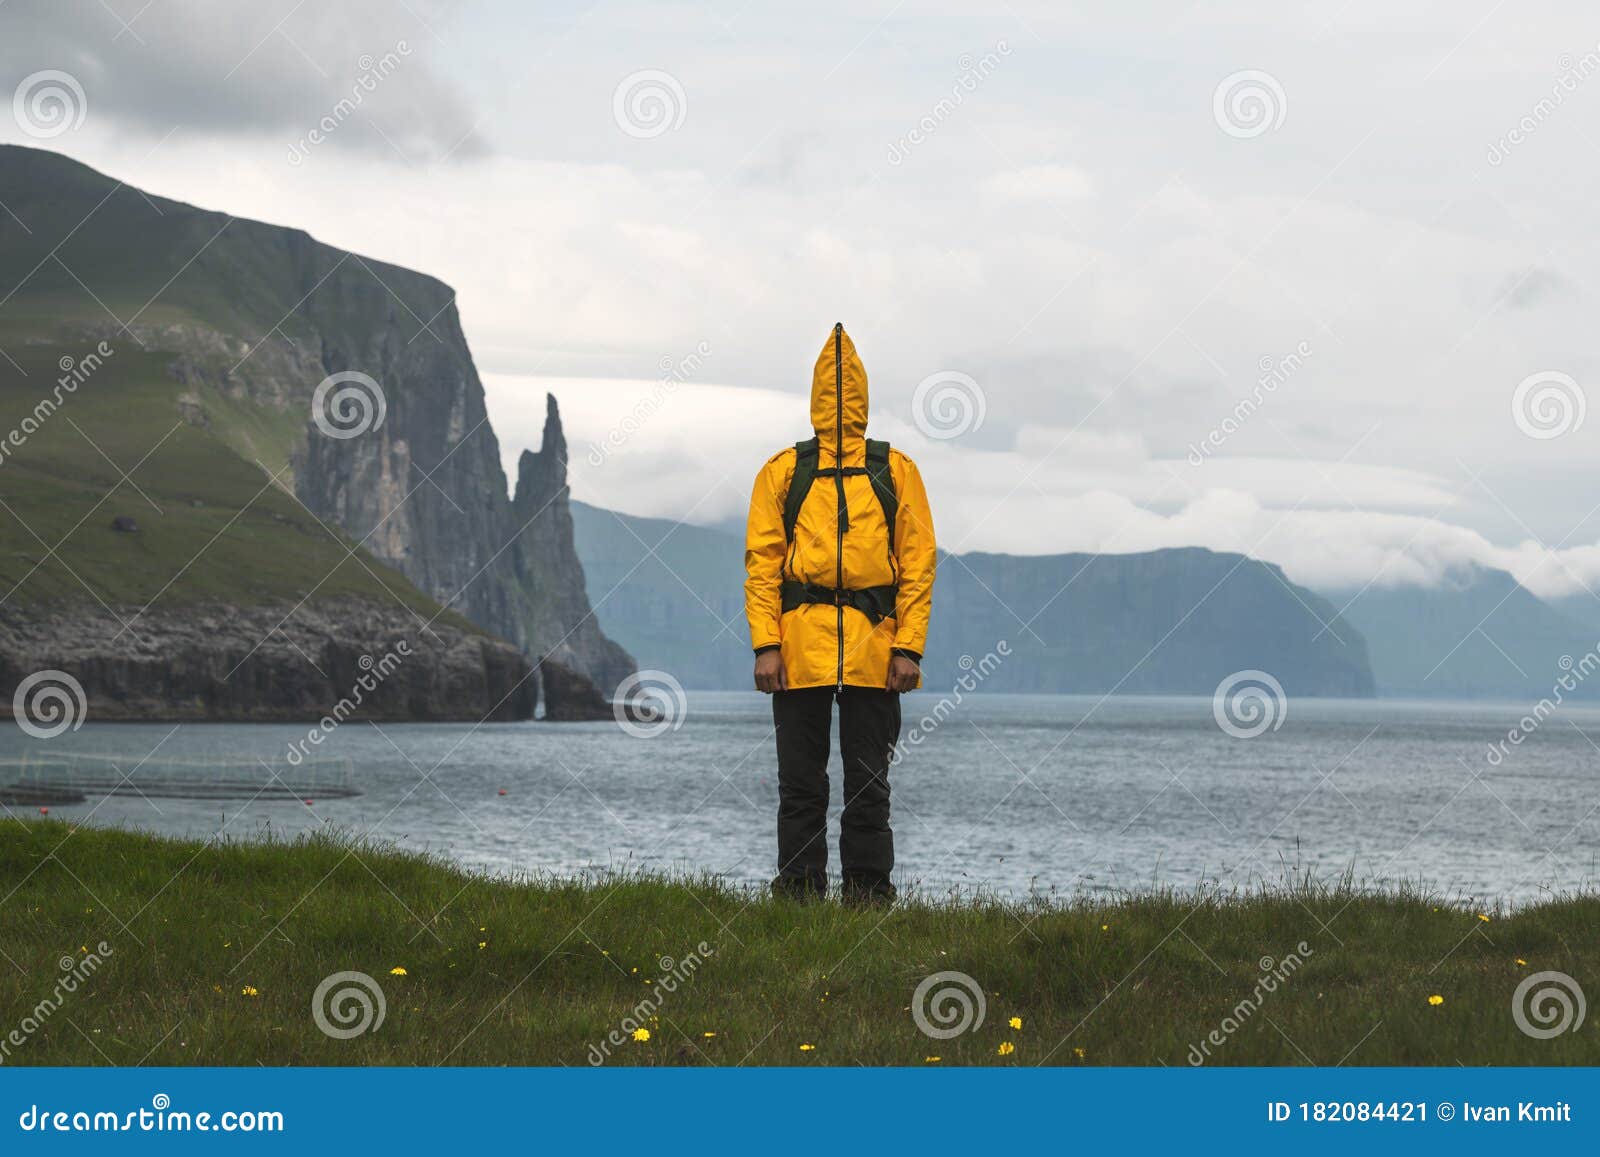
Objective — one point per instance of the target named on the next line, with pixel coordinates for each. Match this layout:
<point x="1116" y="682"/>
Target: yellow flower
<point x="708" y="1035"/>
<point x="1105" y="927"/>
<point x="1006" y="1048"/>
<point x="1483" y="917"/>
<point x="1079" y="1053"/>
<point x="397" y="971"/>
<point x="1436" y="999"/>
<point x="482" y="944"/>
<point x="807" y="1048"/>
<point x="641" y="1034"/>
<point x="1522" y="962"/>
<point x="931" y="1060"/>
<point x="1016" y="1022"/>
<point x="249" y="990"/>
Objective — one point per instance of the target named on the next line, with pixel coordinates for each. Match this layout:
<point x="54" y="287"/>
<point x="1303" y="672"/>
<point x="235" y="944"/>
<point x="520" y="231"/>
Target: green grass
<point x="83" y="251"/>
<point x="536" y="972"/>
<point x="211" y="529"/>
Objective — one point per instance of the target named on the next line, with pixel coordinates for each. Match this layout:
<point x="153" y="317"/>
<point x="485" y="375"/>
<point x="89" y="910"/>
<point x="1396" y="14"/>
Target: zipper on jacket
<point x="838" y="479"/>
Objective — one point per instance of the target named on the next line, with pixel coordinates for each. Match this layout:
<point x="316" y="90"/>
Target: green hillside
<point x="211" y="526"/>
<point x="105" y="283"/>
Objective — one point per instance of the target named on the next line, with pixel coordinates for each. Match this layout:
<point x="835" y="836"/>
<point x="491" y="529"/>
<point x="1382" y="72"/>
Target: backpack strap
<point x="882" y="483"/>
<point x="805" y="472"/>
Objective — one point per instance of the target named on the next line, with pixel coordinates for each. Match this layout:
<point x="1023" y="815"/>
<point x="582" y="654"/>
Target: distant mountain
<point x="1582" y="608"/>
<point x="1164" y="622"/>
<point x="671" y="593"/>
<point x="1478" y="634"/>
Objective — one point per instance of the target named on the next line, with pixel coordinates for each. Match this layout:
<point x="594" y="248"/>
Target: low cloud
<point x="693" y="459"/>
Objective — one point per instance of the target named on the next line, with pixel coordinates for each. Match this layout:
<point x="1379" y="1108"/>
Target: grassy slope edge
<point x="212" y="526"/>
<point x="216" y="950"/>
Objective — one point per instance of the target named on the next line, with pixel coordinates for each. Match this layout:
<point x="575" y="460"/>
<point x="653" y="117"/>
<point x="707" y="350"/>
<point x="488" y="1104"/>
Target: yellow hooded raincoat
<point x="825" y="644"/>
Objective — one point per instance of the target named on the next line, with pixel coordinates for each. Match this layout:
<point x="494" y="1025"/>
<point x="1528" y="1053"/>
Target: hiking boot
<point x="858" y="893"/>
<point x="801" y="888"/>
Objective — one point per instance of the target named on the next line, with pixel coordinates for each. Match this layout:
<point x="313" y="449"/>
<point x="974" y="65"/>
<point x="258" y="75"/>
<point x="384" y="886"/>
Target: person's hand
<point x="770" y="675"/>
<point x="903" y="674"/>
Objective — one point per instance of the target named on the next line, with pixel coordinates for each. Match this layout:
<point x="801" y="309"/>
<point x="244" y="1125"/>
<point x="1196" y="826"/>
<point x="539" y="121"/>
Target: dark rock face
<point x="424" y="490"/>
<point x="352" y="658"/>
<point x="568" y="696"/>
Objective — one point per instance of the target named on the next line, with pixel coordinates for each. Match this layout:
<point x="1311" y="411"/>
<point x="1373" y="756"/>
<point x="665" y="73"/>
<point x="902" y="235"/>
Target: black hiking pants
<point x="869" y="728"/>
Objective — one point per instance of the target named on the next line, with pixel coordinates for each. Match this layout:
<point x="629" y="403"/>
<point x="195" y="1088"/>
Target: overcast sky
<point x="1095" y="227"/>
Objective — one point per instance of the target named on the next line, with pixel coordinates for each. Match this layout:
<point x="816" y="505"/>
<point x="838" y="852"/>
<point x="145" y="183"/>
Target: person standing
<point x="839" y="569"/>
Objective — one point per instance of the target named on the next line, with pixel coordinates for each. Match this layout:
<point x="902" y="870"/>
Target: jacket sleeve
<point x="914" y="551"/>
<point x="764" y="549"/>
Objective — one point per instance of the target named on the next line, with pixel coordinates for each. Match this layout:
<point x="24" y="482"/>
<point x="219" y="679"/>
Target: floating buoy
<point x="44" y="811"/>
<point x="502" y="791"/>
<point x="308" y="803"/>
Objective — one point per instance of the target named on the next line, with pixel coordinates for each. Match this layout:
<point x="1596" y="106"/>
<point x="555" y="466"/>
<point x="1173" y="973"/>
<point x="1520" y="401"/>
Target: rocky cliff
<point x="347" y="658"/>
<point x="346" y="378"/>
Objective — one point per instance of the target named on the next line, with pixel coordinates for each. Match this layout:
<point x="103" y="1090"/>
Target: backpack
<point x="877" y="603"/>
<point x="806" y="472"/>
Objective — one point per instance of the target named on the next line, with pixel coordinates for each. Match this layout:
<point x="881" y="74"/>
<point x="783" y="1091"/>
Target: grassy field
<point x="211" y="527"/>
<point x="94" y="251"/>
<point x="212" y="955"/>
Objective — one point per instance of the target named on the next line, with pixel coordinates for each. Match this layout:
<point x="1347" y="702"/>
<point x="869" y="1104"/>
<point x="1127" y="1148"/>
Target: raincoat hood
<point x="839" y="392"/>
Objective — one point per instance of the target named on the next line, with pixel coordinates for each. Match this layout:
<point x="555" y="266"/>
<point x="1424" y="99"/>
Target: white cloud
<point x="691" y="451"/>
<point x="1039" y="183"/>
<point x="1078" y="237"/>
